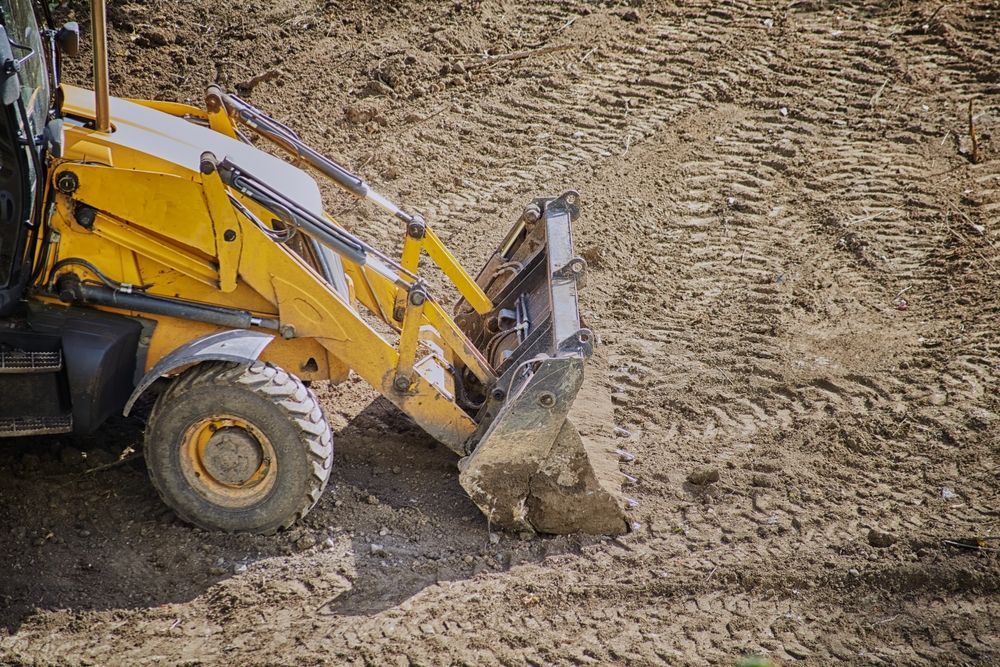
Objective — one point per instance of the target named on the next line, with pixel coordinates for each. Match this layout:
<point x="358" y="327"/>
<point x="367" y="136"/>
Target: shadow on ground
<point x="82" y="531"/>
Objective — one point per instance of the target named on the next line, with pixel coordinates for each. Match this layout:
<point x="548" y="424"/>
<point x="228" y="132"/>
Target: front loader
<point x="147" y="242"/>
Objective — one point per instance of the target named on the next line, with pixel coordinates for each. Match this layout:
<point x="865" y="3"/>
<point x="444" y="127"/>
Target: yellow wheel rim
<point x="229" y="461"/>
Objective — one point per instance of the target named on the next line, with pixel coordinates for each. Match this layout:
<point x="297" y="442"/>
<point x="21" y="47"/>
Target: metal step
<point x="22" y="361"/>
<point x="14" y="426"/>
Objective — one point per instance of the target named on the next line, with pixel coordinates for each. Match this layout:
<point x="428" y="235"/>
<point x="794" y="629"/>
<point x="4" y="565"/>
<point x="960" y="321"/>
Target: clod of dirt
<point x="703" y="476"/>
<point x="71" y="456"/>
<point x="594" y="255"/>
<point x="631" y="16"/>
<point x="307" y="541"/>
<point x="153" y="37"/>
<point x="31" y="461"/>
<point x="879" y="539"/>
<point x="359" y="114"/>
<point x="399" y="73"/>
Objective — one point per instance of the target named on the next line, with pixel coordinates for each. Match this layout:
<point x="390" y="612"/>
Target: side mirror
<point x="68" y="39"/>
<point x="10" y="85"/>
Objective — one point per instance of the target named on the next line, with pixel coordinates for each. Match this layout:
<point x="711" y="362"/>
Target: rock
<point x="494" y="538"/>
<point x="372" y="500"/>
<point x="631" y="16"/>
<point x="384" y="531"/>
<point x="880" y="539"/>
<point x="853" y="572"/>
<point x="307" y="541"/>
<point x="239" y="568"/>
<point x="469" y="559"/>
<point x="377" y="549"/>
<point x="216" y="571"/>
<point x="703" y="476"/>
<point x="762" y="481"/>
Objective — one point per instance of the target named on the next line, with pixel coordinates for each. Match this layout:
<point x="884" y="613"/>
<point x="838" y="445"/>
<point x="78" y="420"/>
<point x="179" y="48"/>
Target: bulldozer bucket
<point x="530" y="467"/>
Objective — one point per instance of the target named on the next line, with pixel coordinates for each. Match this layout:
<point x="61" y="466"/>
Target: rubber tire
<point x="271" y="399"/>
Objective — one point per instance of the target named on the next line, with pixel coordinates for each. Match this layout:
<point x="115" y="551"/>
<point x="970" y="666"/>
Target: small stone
<point x="384" y="531"/>
<point x="880" y="539"/>
<point x="396" y="470"/>
<point x="372" y="500"/>
<point x="83" y="533"/>
<point x="853" y="572"/>
<point x="377" y="549"/>
<point x="239" y="568"/>
<point x="427" y="629"/>
<point x="703" y="476"/>
<point x="526" y="535"/>
<point x="631" y="16"/>
<point x="469" y="560"/>
<point x="948" y="493"/>
<point x="494" y="538"/>
<point x="762" y="481"/>
<point x="216" y="571"/>
<point x="307" y="541"/>
<point x="783" y="111"/>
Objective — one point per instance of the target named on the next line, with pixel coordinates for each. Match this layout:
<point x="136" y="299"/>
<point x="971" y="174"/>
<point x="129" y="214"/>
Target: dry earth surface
<point x="795" y="253"/>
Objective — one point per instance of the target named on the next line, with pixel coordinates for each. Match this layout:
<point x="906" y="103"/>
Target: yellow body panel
<point x="161" y="223"/>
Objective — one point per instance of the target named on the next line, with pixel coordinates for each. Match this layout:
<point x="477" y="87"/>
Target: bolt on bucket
<point x="529" y="466"/>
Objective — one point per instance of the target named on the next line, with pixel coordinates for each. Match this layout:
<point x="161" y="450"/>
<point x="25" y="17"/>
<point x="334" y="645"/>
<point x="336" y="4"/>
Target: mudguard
<point x="237" y="345"/>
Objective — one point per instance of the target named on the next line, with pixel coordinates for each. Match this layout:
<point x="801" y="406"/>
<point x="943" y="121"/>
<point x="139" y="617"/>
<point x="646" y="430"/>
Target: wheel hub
<point x="229" y="461"/>
<point x="232" y="456"/>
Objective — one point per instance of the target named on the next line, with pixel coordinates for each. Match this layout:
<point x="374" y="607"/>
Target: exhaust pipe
<point x="99" y="26"/>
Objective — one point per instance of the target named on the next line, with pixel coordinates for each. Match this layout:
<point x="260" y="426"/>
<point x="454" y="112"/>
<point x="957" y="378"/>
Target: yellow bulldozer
<point x="146" y="242"/>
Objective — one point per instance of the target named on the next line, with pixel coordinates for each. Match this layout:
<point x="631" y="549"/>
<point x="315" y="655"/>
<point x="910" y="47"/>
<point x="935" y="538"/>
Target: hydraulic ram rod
<point x="339" y="240"/>
<point x="285" y="137"/>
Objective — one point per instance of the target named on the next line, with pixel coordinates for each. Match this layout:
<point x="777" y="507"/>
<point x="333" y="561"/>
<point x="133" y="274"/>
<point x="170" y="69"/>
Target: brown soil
<point x="796" y="275"/>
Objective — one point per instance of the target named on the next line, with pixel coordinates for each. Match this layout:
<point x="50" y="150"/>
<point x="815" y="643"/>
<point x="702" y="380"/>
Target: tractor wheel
<point x="239" y="448"/>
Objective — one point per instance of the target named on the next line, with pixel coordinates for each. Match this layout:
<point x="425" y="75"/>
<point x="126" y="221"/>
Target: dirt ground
<point x="795" y="254"/>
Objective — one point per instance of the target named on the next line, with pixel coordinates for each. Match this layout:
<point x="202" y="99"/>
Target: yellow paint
<point x="163" y="223"/>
